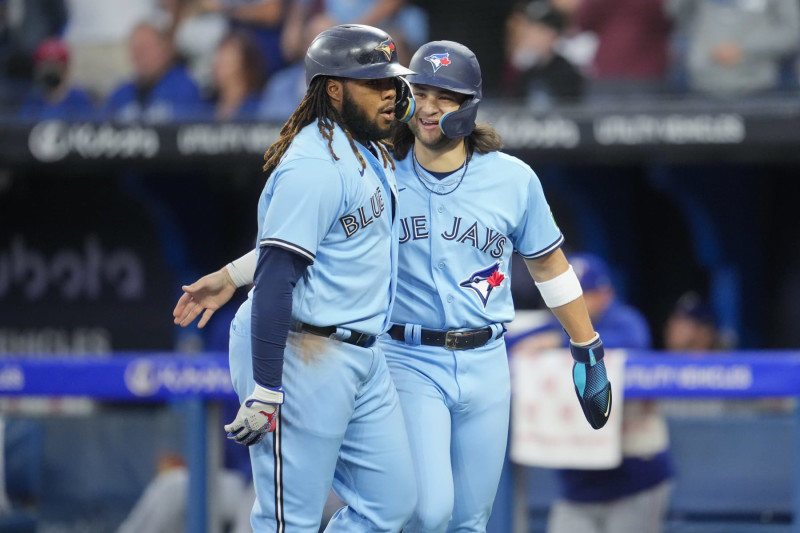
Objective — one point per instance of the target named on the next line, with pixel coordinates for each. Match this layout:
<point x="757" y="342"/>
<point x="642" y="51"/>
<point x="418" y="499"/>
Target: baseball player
<point x="464" y="208"/>
<point x="303" y="353"/>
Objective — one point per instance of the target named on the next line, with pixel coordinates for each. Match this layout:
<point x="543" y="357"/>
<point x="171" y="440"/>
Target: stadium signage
<point x="531" y="132"/>
<point x="669" y="129"/>
<point x="211" y="139"/>
<point x="12" y="378"/>
<point x="690" y="377"/>
<point x="54" y="140"/>
<point x="146" y="377"/>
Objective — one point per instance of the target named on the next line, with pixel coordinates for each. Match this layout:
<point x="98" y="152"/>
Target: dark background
<point x="727" y="230"/>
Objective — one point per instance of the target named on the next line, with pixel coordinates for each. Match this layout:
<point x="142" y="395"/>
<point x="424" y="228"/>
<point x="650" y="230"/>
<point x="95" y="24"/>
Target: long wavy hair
<point x="483" y="139"/>
<point x="316" y="105"/>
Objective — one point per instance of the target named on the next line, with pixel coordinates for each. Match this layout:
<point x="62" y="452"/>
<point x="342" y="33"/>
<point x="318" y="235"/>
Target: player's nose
<point x="427" y="108"/>
<point x="387" y="88"/>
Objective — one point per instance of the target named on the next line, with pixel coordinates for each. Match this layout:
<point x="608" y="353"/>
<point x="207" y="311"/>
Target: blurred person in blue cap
<point x="634" y="496"/>
<point x="691" y="326"/>
<point x="625" y="325"/>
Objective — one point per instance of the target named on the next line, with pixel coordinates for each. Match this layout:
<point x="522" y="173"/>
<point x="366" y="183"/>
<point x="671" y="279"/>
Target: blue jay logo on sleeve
<point x="438" y="60"/>
<point x="483" y="282"/>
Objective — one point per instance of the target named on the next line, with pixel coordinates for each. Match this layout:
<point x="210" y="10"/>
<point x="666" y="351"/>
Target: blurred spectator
<point x="577" y="46"/>
<point x="262" y="18"/>
<point x="691" y="327"/>
<point x="162" y="506"/>
<point x="285" y="89"/>
<point x="197" y="34"/>
<point x="736" y="47"/>
<point x="535" y="71"/>
<point x="161" y="89"/>
<point x="407" y="23"/>
<point x="632" y="54"/>
<point x="97" y="34"/>
<point x="26" y="24"/>
<point x="238" y="78"/>
<point x="634" y="496"/>
<point x="53" y="96"/>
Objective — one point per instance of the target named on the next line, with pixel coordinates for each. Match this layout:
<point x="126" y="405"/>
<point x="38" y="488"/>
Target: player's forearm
<point x="574" y="318"/>
<point x="562" y="293"/>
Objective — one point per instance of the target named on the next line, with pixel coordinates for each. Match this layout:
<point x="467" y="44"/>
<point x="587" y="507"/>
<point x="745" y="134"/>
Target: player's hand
<point x="256" y="417"/>
<point x="591" y="383"/>
<point x="205" y="295"/>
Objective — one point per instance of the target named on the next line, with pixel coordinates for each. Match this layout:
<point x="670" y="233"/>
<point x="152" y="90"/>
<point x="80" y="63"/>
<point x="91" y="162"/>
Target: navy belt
<point x="452" y="340"/>
<point x="356" y="338"/>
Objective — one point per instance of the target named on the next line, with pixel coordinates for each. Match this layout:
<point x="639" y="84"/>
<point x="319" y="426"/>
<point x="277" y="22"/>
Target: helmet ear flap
<point x="461" y="122"/>
<point x="404" y="104"/>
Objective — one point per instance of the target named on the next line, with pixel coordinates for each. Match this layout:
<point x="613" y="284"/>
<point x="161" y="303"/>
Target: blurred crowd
<point x="172" y="60"/>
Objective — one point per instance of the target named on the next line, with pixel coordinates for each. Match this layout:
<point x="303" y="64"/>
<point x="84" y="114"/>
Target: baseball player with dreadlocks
<point x="303" y="353"/>
<point x="464" y="208"/>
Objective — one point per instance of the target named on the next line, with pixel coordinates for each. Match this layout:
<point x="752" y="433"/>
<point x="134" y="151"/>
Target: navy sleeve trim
<point x="552" y="248"/>
<point x="288" y="246"/>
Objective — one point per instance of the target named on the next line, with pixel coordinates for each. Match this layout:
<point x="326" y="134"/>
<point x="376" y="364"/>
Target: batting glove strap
<point x="589" y="352"/>
<point x="591" y="382"/>
<point x="267" y="394"/>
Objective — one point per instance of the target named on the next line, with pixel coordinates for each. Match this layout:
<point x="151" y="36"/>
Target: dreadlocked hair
<point x="316" y="105"/>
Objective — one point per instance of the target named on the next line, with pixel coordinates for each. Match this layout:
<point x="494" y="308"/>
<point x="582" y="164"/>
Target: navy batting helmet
<point x="452" y="66"/>
<point x="353" y="51"/>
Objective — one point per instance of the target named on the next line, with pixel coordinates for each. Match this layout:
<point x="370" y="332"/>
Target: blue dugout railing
<point x="203" y="379"/>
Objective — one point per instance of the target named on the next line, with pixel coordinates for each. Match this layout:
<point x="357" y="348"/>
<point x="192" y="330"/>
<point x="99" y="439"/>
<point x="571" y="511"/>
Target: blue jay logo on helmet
<point x="387" y="47"/>
<point x="438" y="60"/>
<point x="353" y="51"/>
<point x="462" y="75"/>
<point x="484" y="281"/>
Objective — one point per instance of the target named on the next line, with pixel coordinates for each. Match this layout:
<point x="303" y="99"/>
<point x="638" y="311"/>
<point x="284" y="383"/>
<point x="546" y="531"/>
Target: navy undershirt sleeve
<point x="277" y="273"/>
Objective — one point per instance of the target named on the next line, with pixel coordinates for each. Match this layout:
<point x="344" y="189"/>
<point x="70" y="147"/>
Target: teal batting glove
<point x="591" y="383"/>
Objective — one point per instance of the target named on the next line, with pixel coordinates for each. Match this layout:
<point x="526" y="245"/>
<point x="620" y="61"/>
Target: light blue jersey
<point x="340" y="424"/>
<point x="457" y="236"/>
<point x="341" y="220"/>
<point x="456" y="240"/>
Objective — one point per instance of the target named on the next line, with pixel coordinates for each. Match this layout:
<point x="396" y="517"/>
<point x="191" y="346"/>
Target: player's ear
<point x="335" y="89"/>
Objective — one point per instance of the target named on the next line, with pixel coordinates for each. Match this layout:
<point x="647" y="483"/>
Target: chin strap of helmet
<point x="404" y="104"/>
<point x="461" y="122"/>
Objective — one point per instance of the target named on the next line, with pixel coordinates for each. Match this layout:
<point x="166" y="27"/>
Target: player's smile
<point x="429" y="124"/>
<point x="432" y="104"/>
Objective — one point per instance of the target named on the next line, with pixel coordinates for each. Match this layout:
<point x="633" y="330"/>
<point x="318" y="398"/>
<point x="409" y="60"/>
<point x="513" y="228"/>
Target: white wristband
<point x="560" y="290"/>
<point x="243" y="270"/>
